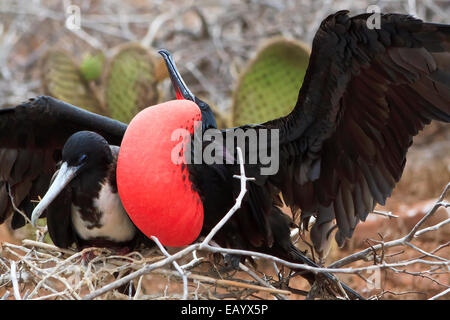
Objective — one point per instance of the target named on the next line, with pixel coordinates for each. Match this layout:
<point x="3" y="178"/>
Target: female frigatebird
<point x="45" y="137"/>
<point x="366" y="94"/>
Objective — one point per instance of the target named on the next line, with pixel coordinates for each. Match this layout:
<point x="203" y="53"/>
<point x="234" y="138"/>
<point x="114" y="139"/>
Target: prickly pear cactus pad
<point x="269" y="87"/>
<point x="62" y="79"/>
<point x="91" y="66"/>
<point x="130" y="82"/>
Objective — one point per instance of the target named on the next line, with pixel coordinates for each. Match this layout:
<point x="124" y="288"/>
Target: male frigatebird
<point x="366" y="93"/>
<point x="45" y="137"/>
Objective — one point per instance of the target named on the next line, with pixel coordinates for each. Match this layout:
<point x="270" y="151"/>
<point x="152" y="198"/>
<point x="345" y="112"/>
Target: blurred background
<point x="211" y="40"/>
<point x="246" y="58"/>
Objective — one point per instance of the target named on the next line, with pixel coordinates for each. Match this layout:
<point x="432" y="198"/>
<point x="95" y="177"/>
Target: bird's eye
<point x="82" y="158"/>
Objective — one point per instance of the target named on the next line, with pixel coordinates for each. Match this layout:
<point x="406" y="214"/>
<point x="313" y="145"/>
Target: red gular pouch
<point x="152" y="175"/>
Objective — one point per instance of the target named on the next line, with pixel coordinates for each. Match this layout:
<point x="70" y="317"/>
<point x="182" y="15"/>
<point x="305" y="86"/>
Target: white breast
<point x="115" y="223"/>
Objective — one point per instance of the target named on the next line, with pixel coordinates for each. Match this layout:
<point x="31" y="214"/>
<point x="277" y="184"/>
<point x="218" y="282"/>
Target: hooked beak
<point x="181" y="90"/>
<point x="183" y="93"/>
<point x="64" y="176"/>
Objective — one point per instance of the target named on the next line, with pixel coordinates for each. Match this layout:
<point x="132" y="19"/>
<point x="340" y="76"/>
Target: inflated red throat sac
<point x="152" y="176"/>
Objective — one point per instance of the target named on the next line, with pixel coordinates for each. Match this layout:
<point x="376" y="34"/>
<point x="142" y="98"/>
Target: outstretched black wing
<point x="32" y="136"/>
<point x="366" y="94"/>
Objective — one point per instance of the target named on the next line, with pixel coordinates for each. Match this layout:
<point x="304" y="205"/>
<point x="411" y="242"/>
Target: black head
<point x="86" y="157"/>
<point x="183" y="92"/>
<point x="87" y="150"/>
<point x="208" y="119"/>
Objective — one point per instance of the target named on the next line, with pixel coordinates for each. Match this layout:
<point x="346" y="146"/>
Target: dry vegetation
<point x="213" y="40"/>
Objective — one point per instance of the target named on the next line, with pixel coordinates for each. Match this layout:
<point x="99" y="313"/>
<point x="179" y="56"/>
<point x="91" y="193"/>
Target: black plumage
<point x="366" y="94"/>
<point x="45" y="137"/>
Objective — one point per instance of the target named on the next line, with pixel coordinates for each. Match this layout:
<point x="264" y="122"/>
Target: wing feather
<point x="366" y="94"/>
<point x="32" y="136"/>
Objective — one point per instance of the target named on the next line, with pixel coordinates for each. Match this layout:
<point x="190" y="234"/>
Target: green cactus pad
<point x="269" y="87"/>
<point x="91" y="66"/>
<point x="62" y="79"/>
<point x="130" y="83"/>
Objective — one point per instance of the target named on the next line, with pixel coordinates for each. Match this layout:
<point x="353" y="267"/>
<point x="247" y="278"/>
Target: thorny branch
<point x="402" y="241"/>
<point x="67" y="279"/>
